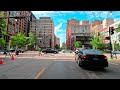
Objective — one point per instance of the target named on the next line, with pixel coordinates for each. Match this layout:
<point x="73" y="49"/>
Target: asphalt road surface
<point x="61" y="69"/>
<point x="37" y="68"/>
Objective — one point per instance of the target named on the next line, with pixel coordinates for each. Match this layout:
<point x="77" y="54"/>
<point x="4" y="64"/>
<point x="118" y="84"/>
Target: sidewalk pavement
<point x="109" y="58"/>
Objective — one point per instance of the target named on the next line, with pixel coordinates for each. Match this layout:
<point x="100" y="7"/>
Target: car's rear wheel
<point x="55" y="52"/>
<point x="80" y="63"/>
<point x="102" y="68"/>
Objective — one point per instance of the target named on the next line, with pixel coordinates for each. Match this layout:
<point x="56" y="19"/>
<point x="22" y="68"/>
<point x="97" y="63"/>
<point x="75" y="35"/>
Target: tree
<point x="62" y="47"/>
<point x="19" y="40"/>
<point x="78" y="44"/>
<point x="3" y="28"/>
<point x="116" y="46"/>
<point x="118" y="29"/>
<point x="2" y="23"/>
<point x="108" y="46"/>
<point x="97" y="42"/>
<point x="101" y="46"/>
<point x="32" y="39"/>
<point x="57" y="46"/>
<point x="2" y="42"/>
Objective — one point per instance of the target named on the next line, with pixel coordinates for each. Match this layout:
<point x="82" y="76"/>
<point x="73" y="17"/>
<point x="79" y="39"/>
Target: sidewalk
<point x="114" y="60"/>
<point x="109" y="58"/>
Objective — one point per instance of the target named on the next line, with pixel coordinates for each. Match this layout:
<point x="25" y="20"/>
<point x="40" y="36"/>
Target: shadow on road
<point x="96" y="69"/>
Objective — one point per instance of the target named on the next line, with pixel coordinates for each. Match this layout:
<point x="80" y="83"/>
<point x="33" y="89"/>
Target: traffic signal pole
<point x="110" y="43"/>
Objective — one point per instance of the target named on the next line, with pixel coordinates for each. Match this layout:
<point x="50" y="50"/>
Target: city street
<point x="54" y="66"/>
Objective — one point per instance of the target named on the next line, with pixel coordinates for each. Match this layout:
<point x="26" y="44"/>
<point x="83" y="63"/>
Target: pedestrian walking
<point x="16" y="52"/>
<point x="40" y="51"/>
<point x="114" y="54"/>
<point x="5" y="51"/>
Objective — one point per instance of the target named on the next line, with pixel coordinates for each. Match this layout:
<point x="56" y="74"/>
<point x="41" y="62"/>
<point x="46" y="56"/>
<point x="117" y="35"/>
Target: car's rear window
<point x="92" y="52"/>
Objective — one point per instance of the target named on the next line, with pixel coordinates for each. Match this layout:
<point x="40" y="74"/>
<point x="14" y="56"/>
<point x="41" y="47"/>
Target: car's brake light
<point x="105" y="58"/>
<point x="84" y="57"/>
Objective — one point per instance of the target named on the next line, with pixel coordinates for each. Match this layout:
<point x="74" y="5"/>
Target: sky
<point x="60" y="18"/>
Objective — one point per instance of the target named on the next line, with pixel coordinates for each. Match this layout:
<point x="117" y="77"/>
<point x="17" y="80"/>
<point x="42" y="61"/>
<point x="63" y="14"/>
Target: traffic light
<point x="111" y="30"/>
<point x="0" y="33"/>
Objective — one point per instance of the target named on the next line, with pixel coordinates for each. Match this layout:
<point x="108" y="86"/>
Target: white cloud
<point x="62" y="20"/>
<point x="95" y="14"/>
<point x="57" y="28"/>
<point x="49" y="13"/>
<point x="116" y="19"/>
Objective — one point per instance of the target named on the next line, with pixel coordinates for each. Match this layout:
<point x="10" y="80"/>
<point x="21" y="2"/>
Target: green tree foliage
<point x="97" y="43"/>
<point x="117" y="46"/>
<point x="2" y="42"/>
<point x="32" y="39"/>
<point x="62" y="47"/>
<point x="118" y="29"/>
<point x="57" y="46"/>
<point x="2" y="23"/>
<point x="3" y="28"/>
<point x="19" y="40"/>
<point x="78" y="44"/>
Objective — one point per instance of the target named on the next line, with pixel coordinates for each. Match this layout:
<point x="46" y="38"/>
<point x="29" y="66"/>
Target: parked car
<point x="63" y="51"/>
<point x="1" y="51"/>
<point x="91" y="58"/>
<point x="50" y="51"/>
<point x="21" y="50"/>
<point x="12" y="50"/>
<point x="115" y="52"/>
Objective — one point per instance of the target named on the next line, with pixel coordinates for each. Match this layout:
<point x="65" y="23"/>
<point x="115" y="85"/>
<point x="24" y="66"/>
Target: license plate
<point x="95" y="58"/>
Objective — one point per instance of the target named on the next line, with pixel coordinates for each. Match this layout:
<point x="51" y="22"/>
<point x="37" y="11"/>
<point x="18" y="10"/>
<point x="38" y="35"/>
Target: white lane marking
<point x="113" y="63"/>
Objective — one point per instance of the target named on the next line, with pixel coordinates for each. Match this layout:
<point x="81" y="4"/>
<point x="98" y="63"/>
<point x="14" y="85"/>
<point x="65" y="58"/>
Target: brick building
<point x="107" y="22"/>
<point x="18" y="25"/>
<point x="64" y="44"/>
<point x="77" y="31"/>
<point x="44" y="29"/>
<point x="70" y="23"/>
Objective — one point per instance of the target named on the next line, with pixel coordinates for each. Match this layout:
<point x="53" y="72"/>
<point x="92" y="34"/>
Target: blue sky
<point x="60" y="18"/>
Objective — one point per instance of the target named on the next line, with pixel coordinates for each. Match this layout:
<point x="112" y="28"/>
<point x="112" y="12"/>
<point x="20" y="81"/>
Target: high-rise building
<point x="95" y="29"/>
<point x="44" y="29"/>
<point x="84" y="22"/>
<point x="95" y="22"/>
<point x="18" y="25"/>
<point x="70" y="23"/>
<point x="77" y="32"/>
<point x="58" y="41"/>
<point x="107" y="22"/>
<point x="64" y="44"/>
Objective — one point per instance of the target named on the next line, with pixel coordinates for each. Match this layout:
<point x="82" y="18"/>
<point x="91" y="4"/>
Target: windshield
<point x="92" y="52"/>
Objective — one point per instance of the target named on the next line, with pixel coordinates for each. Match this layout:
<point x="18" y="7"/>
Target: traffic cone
<point x="12" y="57"/>
<point x="1" y="61"/>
